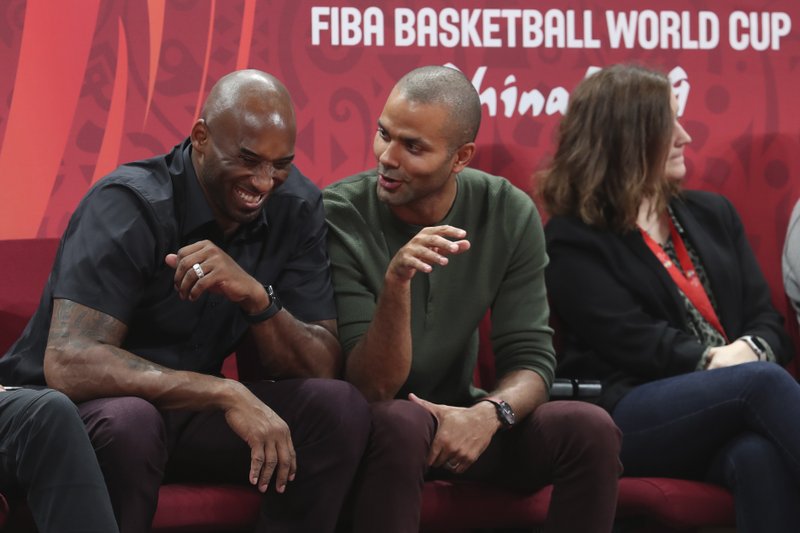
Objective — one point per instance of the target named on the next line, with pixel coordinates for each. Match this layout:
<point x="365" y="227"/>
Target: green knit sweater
<point x="503" y="271"/>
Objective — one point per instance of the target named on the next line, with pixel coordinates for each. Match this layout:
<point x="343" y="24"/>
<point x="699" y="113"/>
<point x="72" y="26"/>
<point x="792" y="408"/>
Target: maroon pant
<point x="138" y="447"/>
<point x="573" y="445"/>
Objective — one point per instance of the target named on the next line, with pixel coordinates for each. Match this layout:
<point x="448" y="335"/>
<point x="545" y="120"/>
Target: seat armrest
<point x="575" y="389"/>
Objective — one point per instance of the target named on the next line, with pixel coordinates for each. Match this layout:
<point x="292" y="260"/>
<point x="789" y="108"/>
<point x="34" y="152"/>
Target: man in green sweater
<point x="422" y="247"/>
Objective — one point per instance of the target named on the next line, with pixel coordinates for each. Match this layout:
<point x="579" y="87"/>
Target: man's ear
<point x="199" y="136"/>
<point x="463" y="156"/>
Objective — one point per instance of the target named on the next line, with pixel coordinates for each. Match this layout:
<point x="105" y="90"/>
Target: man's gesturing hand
<point x="429" y="247"/>
<point x="269" y="438"/>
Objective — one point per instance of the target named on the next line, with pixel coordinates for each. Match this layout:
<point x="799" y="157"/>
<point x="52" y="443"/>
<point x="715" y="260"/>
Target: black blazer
<point x="625" y="321"/>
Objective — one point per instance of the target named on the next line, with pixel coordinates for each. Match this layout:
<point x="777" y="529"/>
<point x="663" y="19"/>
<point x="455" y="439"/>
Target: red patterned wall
<point x="101" y="82"/>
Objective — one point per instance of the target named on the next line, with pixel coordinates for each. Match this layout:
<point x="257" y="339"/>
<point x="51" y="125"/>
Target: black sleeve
<point x="108" y="252"/>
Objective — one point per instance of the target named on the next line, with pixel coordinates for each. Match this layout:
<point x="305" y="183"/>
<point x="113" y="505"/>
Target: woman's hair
<point x="613" y="144"/>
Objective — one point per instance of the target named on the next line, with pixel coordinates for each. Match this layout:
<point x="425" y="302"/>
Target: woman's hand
<point x="735" y="353"/>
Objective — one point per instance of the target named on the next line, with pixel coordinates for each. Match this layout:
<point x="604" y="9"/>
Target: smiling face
<point x="675" y="168"/>
<point x="241" y="155"/>
<point x="416" y="160"/>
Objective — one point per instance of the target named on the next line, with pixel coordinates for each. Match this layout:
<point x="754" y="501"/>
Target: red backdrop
<point x="90" y="84"/>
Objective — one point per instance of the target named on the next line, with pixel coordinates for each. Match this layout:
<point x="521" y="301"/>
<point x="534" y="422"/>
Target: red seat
<point x="677" y="504"/>
<point x="205" y="507"/>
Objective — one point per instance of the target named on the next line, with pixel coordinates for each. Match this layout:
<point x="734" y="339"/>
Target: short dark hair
<point x="612" y="148"/>
<point x="445" y="85"/>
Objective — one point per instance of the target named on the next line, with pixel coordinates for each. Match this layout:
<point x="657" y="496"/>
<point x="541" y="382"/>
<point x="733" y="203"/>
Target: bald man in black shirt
<point x="166" y="265"/>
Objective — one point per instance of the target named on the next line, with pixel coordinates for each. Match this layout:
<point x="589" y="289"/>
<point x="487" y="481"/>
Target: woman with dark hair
<point x="663" y="300"/>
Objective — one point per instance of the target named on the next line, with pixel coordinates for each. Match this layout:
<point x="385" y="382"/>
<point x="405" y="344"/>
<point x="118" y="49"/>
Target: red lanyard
<point x="687" y="281"/>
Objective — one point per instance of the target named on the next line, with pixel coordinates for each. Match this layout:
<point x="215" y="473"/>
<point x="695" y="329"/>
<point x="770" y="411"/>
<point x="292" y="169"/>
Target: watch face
<point x="506" y="413"/>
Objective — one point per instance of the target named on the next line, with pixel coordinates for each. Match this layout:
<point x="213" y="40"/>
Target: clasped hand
<point x="463" y="434"/>
<point x="735" y="353"/>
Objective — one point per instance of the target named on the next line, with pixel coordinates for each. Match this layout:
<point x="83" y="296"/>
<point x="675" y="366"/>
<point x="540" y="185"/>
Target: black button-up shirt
<point x="111" y="259"/>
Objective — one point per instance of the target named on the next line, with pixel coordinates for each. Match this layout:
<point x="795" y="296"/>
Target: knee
<point x="125" y="429"/>
<point x="52" y="413"/>
<point x="580" y="426"/>
<point x="766" y="376"/>
<point x="760" y="381"/>
<point x="751" y="457"/>
<point x="339" y="410"/>
<point x="401" y="430"/>
<point x="53" y="407"/>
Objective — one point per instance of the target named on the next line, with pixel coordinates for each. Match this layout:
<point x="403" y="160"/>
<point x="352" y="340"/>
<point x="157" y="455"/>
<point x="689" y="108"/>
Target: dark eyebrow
<point x="407" y="140"/>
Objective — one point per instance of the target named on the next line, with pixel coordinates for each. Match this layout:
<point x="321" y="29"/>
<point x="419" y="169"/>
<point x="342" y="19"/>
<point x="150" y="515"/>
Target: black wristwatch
<point x="271" y="310"/>
<point x="504" y="412"/>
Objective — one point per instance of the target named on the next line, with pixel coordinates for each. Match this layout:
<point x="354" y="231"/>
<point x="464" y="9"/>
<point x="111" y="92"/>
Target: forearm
<point x="85" y="371"/>
<point x="84" y="360"/>
<point x="289" y="347"/>
<point x="523" y="390"/>
<point x="381" y="361"/>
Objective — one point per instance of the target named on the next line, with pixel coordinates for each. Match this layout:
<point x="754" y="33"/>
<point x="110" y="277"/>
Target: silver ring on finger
<point x="451" y="465"/>
<point x="198" y="270"/>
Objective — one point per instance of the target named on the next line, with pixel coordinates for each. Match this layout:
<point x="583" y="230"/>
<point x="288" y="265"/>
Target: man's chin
<point x="249" y="217"/>
<point x="388" y="198"/>
<point x="246" y="217"/>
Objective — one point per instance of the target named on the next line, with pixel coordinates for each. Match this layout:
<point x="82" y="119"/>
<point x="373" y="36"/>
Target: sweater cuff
<point x="703" y="362"/>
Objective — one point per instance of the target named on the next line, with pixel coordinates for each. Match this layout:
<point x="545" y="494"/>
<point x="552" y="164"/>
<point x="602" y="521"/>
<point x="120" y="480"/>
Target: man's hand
<point x="269" y="438"/>
<point x="463" y="433"/>
<point x="429" y="247"/>
<point x="220" y="275"/>
<point x="735" y="353"/>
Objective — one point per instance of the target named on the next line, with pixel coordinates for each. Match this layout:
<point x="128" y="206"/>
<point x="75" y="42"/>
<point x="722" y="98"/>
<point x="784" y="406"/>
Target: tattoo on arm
<point x="75" y="321"/>
<point x="78" y="327"/>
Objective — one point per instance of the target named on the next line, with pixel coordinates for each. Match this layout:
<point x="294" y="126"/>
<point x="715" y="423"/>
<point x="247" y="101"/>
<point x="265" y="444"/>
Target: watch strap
<point x="756" y="345"/>
<point x="505" y="414"/>
<point x="270" y="311"/>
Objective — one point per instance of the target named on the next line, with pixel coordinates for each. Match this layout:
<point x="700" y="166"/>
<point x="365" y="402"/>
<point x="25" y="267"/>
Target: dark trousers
<point x="737" y="426"/>
<point x="137" y="445"/>
<point x="46" y="455"/>
<point x="573" y="445"/>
